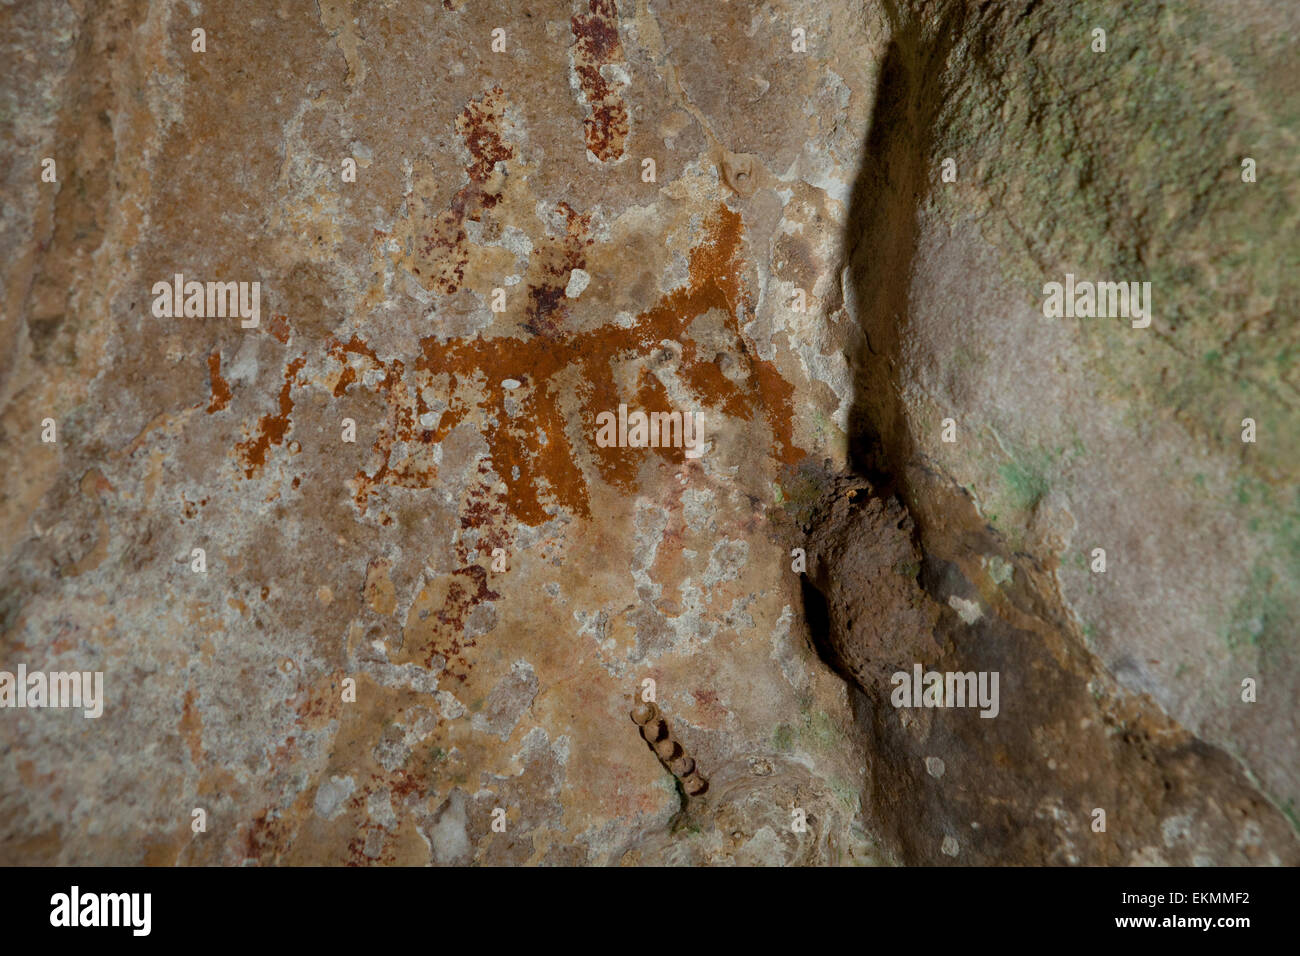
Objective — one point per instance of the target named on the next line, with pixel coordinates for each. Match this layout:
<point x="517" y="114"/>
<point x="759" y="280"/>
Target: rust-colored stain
<point x="191" y="728"/>
<point x="278" y="326"/>
<point x="539" y="464"/>
<point x="534" y="441"/>
<point x="271" y="429"/>
<point x="595" y="44"/>
<point x="651" y="394"/>
<point x="346" y="378"/>
<point x="401" y="424"/>
<point x="220" y="389"/>
<point x="530" y="450"/>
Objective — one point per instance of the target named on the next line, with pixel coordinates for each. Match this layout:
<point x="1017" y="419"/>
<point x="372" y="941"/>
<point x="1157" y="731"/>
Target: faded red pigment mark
<point x="271" y="429"/>
<point x="480" y="126"/>
<point x="553" y="263"/>
<point x="596" y="44"/>
<point x="440" y="242"/>
<point x="437" y="622"/>
<point x="191" y="728"/>
<point x="268" y="836"/>
<point x="401" y="424"/>
<point x="220" y="389"/>
<point x="468" y="589"/>
<point x="483" y="517"/>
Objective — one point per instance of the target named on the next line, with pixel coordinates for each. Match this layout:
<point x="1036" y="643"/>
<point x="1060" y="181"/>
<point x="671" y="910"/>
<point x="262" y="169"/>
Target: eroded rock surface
<point x="494" y="581"/>
<point x="394" y="638"/>
<point x="1079" y="434"/>
<point x="1001" y="772"/>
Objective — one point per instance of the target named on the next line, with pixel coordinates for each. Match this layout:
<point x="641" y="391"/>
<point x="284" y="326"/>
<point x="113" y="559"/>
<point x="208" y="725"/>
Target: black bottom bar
<point x="491" y="906"/>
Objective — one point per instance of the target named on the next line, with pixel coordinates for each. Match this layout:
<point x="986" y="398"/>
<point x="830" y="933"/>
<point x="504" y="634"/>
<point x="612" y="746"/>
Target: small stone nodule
<point x="694" y="784"/>
<point x="653" y="730"/>
<point x="658" y="735"/>
<point x="667" y="749"/>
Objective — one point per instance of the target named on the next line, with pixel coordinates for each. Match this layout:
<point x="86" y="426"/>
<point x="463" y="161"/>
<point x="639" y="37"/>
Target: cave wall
<point x="1081" y="433"/>
<point x="797" y="149"/>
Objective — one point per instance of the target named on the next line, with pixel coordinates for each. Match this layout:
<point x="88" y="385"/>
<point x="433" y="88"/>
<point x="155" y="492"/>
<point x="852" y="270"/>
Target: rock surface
<point x="1078" y="434"/>
<point x="400" y="642"/>
<point x="379" y="561"/>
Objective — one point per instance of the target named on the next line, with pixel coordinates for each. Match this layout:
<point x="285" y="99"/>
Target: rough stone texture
<point x="480" y="689"/>
<point x="865" y="562"/>
<point x="1064" y="740"/>
<point x="1086" y="433"/>
<point x="476" y="170"/>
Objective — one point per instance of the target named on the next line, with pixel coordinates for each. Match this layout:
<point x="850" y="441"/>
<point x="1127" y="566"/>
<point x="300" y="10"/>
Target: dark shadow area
<point x="880" y="243"/>
<point x="817" y="616"/>
<point x="881" y="232"/>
